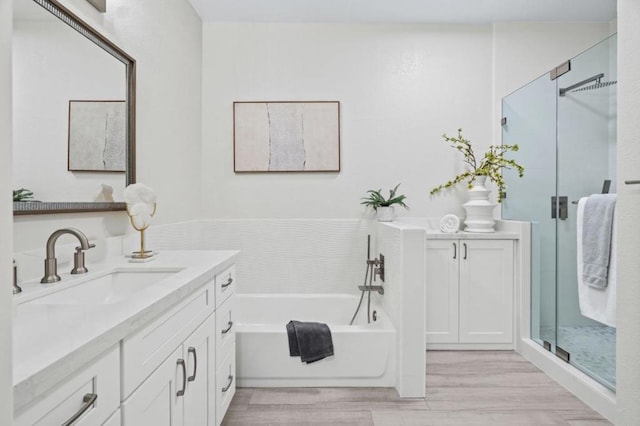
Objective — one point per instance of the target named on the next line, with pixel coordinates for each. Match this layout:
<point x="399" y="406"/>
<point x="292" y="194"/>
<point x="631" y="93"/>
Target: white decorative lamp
<point x="141" y="207"/>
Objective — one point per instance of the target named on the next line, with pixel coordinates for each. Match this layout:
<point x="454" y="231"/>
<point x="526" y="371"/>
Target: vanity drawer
<point x="225" y="330"/>
<point x="225" y="385"/>
<point x="225" y="284"/>
<point x="145" y="350"/>
<point x="101" y="378"/>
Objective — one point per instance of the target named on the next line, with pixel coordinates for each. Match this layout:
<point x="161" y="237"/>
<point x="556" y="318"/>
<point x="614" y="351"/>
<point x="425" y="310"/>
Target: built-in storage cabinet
<point x="177" y="370"/>
<point x="469" y="293"/>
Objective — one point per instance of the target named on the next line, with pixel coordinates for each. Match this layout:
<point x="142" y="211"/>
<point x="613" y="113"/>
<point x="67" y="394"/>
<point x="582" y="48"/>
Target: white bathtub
<point x="364" y="353"/>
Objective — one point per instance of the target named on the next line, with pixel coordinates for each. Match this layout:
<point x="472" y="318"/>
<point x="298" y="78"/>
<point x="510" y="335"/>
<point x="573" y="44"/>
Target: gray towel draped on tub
<point x="597" y="226"/>
<point x="311" y="341"/>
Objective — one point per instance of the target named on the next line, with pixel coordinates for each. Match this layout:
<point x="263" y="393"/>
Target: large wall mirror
<point x="73" y="113"/>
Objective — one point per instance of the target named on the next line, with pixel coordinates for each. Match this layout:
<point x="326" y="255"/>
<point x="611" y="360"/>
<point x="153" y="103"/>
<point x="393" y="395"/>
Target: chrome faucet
<point x="51" y="263"/>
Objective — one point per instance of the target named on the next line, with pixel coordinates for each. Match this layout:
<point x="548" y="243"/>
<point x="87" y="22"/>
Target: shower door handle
<point x="563" y="207"/>
<point x="559" y="207"/>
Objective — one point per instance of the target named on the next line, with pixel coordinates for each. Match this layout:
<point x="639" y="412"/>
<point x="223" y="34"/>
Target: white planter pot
<point x="385" y="214"/>
<point x="479" y="209"/>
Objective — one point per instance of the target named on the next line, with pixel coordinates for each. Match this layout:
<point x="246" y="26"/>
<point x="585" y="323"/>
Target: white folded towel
<point x="450" y="224"/>
<point x="597" y="303"/>
<point x="597" y="224"/>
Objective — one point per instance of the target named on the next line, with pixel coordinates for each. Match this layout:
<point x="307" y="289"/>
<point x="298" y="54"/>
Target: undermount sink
<point x="113" y="287"/>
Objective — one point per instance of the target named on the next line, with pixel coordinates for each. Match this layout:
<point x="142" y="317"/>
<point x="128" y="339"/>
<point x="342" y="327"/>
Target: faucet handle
<point x="16" y="287"/>
<point x="78" y="261"/>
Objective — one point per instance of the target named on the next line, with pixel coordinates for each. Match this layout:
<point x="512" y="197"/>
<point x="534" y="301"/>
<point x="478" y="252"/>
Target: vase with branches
<point x="490" y="165"/>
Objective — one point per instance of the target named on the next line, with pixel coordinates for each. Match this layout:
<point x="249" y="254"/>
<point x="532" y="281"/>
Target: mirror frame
<point x="72" y="20"/>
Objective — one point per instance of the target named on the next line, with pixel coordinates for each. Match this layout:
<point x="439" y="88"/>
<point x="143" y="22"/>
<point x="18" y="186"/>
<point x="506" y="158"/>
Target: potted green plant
<point x="384" y="206"/>
<point x="489" y="166"/>
<point x="22" y="195"/>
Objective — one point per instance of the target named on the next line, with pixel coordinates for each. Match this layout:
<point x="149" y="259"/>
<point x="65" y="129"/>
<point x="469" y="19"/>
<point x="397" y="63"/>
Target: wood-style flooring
<point x="471" y="388"/>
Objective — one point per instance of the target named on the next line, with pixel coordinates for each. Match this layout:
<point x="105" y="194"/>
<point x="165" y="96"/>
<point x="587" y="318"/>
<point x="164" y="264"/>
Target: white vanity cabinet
<point x="183" y="390"/>
<point x="91" y="395"/>
<point x="171" y="359"/>
<point x="469" y="293"/>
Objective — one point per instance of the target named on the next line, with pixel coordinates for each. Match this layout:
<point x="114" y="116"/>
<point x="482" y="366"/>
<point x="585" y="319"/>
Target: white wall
<point x="279" y="256"/>
<point x="164" y="36"/>
<point x="400" y="87"/>
<point x="628" y="319"/>
<point x="6" y="389"/>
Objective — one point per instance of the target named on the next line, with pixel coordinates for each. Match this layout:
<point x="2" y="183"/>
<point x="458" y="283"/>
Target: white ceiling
<point x="407" y="11"/>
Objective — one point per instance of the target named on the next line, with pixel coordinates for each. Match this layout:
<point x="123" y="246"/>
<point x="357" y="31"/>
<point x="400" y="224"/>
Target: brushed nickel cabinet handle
<point x="632" y="182"/>
<point x="228" y="283"/>
<point x="465" y="251"/>
<point x="455" y="251"/>
<point x="87" y="401"/>
<point x="192" y="350"/>
<point x="226" y="388"/>
<point x="228" y="329"/>
<point x="184" y="377"/>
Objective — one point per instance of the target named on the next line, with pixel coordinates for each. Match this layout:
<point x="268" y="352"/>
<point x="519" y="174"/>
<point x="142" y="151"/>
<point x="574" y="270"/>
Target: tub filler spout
<point x="377" y="288"/>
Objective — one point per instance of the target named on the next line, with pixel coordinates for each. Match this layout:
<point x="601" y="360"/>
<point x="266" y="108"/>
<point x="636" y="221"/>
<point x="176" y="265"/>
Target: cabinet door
<point x="156" y="402"/>
<point x="199" y="398"/>
<point x="442" y="291"/>
<point x="486" y="291"/>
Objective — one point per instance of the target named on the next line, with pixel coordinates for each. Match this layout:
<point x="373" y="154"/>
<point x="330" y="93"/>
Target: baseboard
<point x="470" y="346"/>
<point x="592" y="393"/>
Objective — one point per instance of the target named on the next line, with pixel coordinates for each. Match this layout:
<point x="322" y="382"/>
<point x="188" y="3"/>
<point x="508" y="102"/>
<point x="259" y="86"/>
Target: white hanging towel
<point x="597" y="303"/>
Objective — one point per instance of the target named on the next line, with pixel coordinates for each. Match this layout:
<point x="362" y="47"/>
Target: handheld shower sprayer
<point x="374" y="267"/>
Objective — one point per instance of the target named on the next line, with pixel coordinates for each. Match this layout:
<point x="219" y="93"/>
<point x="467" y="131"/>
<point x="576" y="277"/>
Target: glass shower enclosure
<point x="565" y="125"/>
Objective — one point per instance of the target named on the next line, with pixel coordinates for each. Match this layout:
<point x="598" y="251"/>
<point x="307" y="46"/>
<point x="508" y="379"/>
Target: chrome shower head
<point x="598" y="85"/>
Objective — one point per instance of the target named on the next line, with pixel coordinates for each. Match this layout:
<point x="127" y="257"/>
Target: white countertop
<point x="51" y="342"/>
<point x="462" y="235"/>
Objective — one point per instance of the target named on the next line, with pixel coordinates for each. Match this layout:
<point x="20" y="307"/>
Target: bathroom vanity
<point x="470" y="290"/>
<point x="128" y="344"/>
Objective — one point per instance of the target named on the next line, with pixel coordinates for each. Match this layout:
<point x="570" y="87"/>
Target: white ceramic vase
<point x="385" y="214"/>
<point x="479" y="209"/>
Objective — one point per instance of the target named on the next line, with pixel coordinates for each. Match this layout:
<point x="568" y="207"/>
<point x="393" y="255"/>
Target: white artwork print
<point x="97" y="136"/>
<point x="286" y="136"/>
